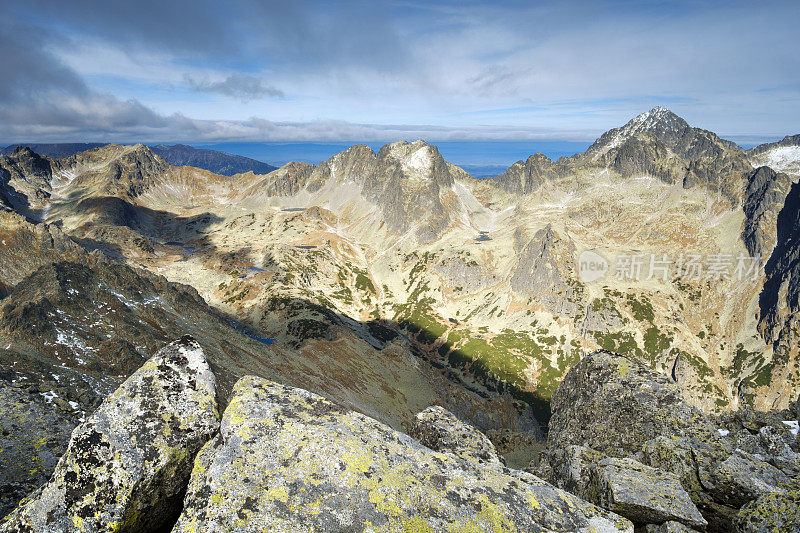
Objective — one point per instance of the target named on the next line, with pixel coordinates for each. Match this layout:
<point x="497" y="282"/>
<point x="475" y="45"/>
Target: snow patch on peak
<point x="649" y="120"/>
<point x="658" y="117"/>
<point x="416" y="159"/>
<point x="780" y="159"/>
<point x="420" y="160"/>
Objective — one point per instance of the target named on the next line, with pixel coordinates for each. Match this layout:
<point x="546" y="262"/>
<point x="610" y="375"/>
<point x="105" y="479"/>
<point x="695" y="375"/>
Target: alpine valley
<point x="351" y="296"/>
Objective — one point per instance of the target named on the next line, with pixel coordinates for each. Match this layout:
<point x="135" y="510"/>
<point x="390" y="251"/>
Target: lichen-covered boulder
<point x="126" y="466"/>
<point x="742" y="477"/>
<point x="778" y="512"/>
<point x="642" y="494"/>
<point x="33" y="436"/>
<point x="441" y="430"/>
<point x="613" y="404"/>
<point x="668" y="527"/>
<point x="568" y="468"/>
<point x="297" y="462"/>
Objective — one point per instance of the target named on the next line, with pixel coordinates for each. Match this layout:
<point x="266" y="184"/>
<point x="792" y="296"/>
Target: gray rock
<point x="657" y="143"/>
<point x="614" y="405"/>
<point x="777" y="443"/>
<point x="545" y="267"/>
<point x="524" y="177"/>
<point x="296" y="461"/>
<point x="127" y="465"/>
<point x="569" y="468"/>
<point x="676" y="456"/>
<point x="668" y="527"/>
<point x="742" y="477"/>
<point x="642" y="494"/>
<point x="778" y="512"/>
<point x="440" y="430"/>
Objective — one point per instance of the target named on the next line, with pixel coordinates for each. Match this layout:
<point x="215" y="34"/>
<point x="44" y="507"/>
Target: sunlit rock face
<point x="294" y="460"/>
<point x="126" y="466"/>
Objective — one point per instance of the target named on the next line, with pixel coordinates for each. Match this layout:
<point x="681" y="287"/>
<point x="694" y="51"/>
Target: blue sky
<point x="247" y="71"/>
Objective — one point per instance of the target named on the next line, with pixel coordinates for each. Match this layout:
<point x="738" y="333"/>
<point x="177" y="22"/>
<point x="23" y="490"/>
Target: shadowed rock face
<point x="125" y="466"/>
<point x="24" y="162"/>
<point x="779" y="301"/>
<point x="763" y="199"/>
<point x="613" y="404"/>
<point x="294" y="460"/>
<point x="33" y="436"/>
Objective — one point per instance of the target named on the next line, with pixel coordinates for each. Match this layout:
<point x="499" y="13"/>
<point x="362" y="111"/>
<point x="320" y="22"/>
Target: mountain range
<point x="215" y="161"/>
<point x="393" y="280"/>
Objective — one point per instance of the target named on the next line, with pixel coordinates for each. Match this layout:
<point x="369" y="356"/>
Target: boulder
<point x="742" y="477"/>
<point x="613" y="404"/>
<point x="642" y="494"/>
<point x="668" y="527"/>
<point x="569" y="468"/>
<point x="679" y="457"/>
<point x="440" y="430"/>
<point x="298" y="462"/>
<point x="778" y="512"/>
<point x="126" y="466"/>
<point x="778" y="445"/>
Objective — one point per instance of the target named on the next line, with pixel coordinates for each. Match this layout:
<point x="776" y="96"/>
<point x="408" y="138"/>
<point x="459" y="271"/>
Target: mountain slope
<point x="54" y="150"/>
<point x="214" y="161"/>
<point x="74" y="324"/>
<point x="178" y="155"/>
<point x="480" y="278"/>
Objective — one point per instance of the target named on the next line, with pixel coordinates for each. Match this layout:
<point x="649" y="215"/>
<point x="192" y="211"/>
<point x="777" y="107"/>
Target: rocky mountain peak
<point x="23" y="151"/>
<point x="418" y="161"/>
<point x="662" y="123"/>
<point x="658" y="117"/>
<point x="29" y="161"/>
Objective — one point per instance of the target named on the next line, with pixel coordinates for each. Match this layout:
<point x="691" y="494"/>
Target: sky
<point x="303" y="70"/>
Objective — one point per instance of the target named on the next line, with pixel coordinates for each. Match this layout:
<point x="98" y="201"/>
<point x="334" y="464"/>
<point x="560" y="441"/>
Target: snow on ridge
<point x="781" y="159"/>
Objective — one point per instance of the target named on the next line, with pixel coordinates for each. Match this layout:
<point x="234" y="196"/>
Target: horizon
<point x="481" y="159"/>
<point x="474" y="71"/>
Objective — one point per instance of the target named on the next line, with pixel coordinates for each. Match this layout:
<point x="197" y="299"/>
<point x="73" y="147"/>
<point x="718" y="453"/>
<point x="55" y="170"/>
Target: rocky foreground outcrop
<point x="624" y="451"/>
<point x="622" y="436"/>
<point x="284" y="459"/>
<point x="298" y="462"/>
<point x="126" y="466"/>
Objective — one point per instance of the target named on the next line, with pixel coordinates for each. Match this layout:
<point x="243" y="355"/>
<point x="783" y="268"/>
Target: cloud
<point x="39" y="95"/>
<point x="240" y="86"/>
<point x="478" y="67"/>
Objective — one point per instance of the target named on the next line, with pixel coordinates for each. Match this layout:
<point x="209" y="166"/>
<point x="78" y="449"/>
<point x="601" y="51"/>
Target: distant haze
<point x="481" y="159"/>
